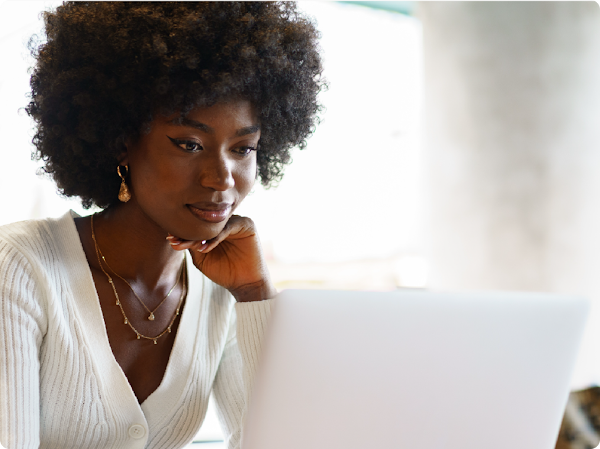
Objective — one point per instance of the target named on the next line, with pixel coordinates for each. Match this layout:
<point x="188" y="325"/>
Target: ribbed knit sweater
<point x="60" y="385"/>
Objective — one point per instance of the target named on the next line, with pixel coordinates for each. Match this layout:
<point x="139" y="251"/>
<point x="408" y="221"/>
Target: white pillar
<point x="512" y="144"/>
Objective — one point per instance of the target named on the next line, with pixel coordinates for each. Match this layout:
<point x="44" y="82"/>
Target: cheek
<point x="246" y="179"/>
<point x="153" y="180"/>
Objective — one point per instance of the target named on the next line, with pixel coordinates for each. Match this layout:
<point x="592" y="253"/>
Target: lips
<point x="211" y="212"/>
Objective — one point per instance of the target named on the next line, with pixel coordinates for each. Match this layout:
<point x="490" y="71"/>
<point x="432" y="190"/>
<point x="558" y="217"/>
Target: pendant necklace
<point x="182" y="275"/>
<point x="151" y="312"/>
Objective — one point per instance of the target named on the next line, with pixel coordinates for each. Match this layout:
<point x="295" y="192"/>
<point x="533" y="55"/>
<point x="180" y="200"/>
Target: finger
<point x="208" y="245"/>
<point x="181" y="244"/>
<point x="234" y="226"/>
<point x="197" y="258"/>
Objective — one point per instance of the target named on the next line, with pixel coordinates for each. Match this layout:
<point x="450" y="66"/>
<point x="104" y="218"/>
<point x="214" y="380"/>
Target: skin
<point x="208" y="160"/>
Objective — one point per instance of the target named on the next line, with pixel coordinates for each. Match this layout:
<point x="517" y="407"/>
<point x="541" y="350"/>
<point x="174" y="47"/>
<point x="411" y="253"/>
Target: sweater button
<point x="137" y="431"/>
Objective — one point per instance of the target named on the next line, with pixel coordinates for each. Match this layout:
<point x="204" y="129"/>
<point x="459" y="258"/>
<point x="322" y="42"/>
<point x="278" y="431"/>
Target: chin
<point x="199" y="233"/>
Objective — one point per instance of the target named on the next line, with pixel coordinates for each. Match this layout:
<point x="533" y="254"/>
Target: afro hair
<point x="107" y="68"/>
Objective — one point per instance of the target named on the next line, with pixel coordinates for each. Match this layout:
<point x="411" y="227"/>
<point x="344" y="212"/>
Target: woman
<point x="117" y="327"/>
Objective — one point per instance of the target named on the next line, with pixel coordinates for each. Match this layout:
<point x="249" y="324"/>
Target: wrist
<point x="257" y="291"/>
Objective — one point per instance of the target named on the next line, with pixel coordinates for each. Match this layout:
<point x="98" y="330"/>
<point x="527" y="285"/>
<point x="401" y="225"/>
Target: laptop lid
<point x="414" y="370"/>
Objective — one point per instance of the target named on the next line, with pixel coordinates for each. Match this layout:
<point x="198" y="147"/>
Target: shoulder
<point x="39" y="247"/>
<point x="30" y="260"/>
<point x="37" y="240"/>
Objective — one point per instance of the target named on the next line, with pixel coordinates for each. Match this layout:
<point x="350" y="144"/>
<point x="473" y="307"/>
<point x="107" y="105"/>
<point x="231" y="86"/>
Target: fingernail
<point x="174" y="243"/>
<point x="203" y="242"/>
<point x="203" y="247"/>
<point x="170" y="237"/>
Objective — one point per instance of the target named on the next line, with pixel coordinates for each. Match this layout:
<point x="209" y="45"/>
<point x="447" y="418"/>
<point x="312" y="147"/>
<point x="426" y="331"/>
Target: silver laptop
<point x="414" y="370"/>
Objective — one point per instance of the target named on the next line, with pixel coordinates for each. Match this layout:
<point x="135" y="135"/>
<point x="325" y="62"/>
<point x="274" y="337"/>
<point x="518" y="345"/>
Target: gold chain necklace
<point x="151" y="312"/>
<point x="118" y="302"/>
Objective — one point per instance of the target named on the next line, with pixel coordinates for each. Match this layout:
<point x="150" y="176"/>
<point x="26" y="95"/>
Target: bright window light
<point x="349" y="207"/>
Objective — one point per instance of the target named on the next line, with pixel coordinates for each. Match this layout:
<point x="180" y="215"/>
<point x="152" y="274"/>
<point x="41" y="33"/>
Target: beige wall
<point x="512" y="140"/>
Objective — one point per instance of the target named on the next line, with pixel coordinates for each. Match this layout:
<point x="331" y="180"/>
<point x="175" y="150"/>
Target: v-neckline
<point x="165" y="396"/>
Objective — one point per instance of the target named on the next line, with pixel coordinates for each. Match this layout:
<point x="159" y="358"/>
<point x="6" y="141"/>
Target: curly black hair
<point x="107" y="68"/>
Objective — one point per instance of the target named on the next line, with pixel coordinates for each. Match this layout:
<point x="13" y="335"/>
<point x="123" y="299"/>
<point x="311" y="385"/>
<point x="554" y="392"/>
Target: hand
<point x="233" y="259"/>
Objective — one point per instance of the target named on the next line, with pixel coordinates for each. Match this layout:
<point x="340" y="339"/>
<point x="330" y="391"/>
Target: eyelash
<point x="245" y="150"/>
<point x="180" y="142"/>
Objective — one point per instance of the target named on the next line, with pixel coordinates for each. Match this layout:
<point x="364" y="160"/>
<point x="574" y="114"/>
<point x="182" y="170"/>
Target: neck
<point x="136" y="247"/>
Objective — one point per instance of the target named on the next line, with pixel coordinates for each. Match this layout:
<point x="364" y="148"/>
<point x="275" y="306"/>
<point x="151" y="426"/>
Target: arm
<point x="232" y="387"/>
<point x="234" y="260"/>
<point x="22" y="326"/>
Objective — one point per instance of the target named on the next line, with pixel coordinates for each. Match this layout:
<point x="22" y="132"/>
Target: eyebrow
<point x="247" y="130"/>
<point x="183" y="121"/>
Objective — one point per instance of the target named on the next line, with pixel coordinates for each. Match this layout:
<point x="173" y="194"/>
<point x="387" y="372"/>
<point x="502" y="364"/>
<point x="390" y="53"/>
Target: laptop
<point x="414" y="370"/>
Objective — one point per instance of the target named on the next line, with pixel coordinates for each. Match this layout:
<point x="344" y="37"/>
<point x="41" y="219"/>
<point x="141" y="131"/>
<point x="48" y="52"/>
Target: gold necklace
<point x="151" y="312"/>
<point x="118" y="302"/>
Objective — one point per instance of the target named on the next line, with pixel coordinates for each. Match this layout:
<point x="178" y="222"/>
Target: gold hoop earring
<point x="124" y="193"/>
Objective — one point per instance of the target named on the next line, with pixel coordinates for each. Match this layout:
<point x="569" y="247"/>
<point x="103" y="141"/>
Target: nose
<point x="216" y="173"/>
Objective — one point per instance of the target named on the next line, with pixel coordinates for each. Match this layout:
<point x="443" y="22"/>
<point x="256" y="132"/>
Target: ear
<point x="123" y="158"/>
<point x="125" y="145"/>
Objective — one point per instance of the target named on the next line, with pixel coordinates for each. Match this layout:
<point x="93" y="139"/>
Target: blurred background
<point x="459" y="149"/>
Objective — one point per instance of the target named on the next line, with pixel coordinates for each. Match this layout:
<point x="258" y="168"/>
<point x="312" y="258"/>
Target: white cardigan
<point x="60" y="385"/>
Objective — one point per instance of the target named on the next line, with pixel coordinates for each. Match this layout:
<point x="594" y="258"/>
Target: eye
<point x="244" y="151"/>
<point x="190" y="146"/>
